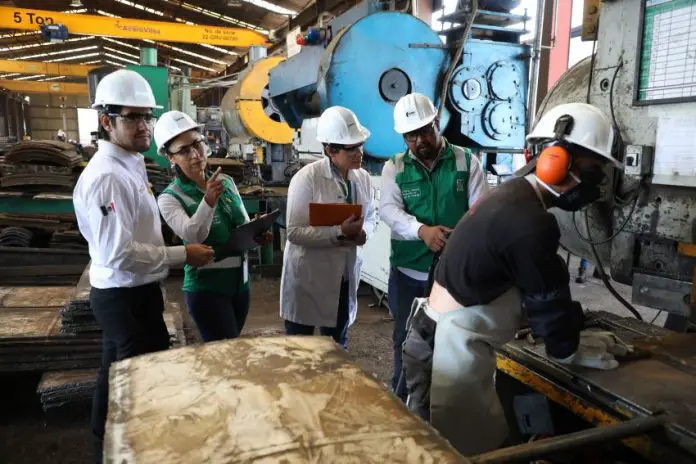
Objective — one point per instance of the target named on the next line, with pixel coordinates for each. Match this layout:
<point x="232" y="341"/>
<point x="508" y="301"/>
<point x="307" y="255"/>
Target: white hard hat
<point x="412" y="112"/>
<point x="590" y="129"/>
<point x="124" y="88"/>
<point x="170" y="125"/>
<point x="339" y="125"/>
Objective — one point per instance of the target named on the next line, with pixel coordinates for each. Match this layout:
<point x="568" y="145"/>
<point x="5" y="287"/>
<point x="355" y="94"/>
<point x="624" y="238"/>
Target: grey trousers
<point x="464" y="406"/>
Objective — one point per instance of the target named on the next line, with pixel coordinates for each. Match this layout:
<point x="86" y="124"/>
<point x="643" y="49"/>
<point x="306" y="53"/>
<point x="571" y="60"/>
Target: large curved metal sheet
<point x="248" y="109"/>
<point x="372" y="63"/>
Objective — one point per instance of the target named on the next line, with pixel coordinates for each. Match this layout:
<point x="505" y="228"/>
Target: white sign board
<point x="675" y="151"/>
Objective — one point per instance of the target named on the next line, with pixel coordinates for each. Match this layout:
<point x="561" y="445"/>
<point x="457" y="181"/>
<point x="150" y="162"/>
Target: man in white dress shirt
<point x="118" y="216"/>
<point x="425" y="191"/>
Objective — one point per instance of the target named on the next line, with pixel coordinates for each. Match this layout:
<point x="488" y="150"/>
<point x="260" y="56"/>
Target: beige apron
<point x="464" y="406"/>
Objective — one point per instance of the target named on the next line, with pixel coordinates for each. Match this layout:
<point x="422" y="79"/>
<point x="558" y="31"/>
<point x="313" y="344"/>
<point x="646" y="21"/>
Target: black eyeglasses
<point x="198" y="147"/>
<point x="134" y="119"/>
<point x="348" y="148"/>
<point x="426" y="131"/>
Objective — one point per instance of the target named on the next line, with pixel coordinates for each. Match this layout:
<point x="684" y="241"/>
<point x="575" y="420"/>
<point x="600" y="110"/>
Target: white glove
<point x="597" y="349"/>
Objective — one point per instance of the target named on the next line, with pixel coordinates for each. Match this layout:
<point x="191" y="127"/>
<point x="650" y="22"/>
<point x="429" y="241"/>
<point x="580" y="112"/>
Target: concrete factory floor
<point x="27" y="435"/>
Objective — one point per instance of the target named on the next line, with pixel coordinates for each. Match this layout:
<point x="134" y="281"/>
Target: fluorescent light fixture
<point x="179" y="60"/>
<point x="123" y="44"/>
<point x="18" y="34"/>
<point x="220" y="49"/>
<point x="116" y="57"/>
<point x="76" y="57"/>
<point x="112" y="63"/>
<point x="55" y="78"/>
<point x="42" y="44"/>
<point x="129" y="55"/>
<point x="59" y="52"/>
<point x="25" y="78"/>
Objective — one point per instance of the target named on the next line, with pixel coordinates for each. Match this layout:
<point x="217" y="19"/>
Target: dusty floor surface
<point x="27" y="435"/>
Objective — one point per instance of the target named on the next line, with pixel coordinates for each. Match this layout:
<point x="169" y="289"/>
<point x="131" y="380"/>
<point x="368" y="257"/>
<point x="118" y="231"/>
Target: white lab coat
<point x="314" y="262"/>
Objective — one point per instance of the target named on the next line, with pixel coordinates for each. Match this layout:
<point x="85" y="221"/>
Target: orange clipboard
<point x="332" y="214"/>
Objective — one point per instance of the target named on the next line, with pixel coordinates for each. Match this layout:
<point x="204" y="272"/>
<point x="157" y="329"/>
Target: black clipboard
<point x="242" y="237"/>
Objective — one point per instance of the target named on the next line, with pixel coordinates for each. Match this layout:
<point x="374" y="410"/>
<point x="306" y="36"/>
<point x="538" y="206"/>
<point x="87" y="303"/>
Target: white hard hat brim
<point x="96" y="106"/>
<point x="412" y="127"/>
<point x="363" y="135"/>
<point x="162" y="151"/>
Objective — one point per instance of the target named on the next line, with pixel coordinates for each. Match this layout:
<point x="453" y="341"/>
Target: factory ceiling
<point x="270" y="18"/>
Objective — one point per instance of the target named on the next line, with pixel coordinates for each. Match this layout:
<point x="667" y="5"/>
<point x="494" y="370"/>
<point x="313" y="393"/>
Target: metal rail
<point x="541" y="448"/>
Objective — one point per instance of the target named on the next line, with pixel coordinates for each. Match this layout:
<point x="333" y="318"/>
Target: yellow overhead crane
<point x="48" y="69"/>
<point x="61" y="88"/>
<point x="138" y="29"/>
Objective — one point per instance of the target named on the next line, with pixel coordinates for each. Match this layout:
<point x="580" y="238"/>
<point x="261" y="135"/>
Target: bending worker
<point x="502" y="254"/>
<point x="117" y="215"/>
<point x="321" y="266"/>
<point x="425" y="191"/>
<point x="204" y="207"/>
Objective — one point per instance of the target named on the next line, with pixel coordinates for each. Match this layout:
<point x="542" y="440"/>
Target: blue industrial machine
<point x="368" y="58"/>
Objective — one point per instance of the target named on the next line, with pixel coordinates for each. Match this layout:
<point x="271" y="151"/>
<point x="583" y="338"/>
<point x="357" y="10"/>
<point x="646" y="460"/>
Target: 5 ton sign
<point x="28" y="17"/>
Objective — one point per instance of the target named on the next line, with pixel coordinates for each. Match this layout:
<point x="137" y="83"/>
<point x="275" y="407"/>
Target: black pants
<point x="218" y="316"/>
<point x="338" y="333"/>
<point x="132" y="324"/>
<point x="418" y="363"/>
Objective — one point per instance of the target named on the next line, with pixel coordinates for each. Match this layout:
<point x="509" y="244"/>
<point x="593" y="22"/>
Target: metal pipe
<point x="541" y="448"/>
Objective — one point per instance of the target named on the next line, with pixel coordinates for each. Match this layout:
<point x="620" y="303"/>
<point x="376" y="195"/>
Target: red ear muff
<point x="553" y="165"/>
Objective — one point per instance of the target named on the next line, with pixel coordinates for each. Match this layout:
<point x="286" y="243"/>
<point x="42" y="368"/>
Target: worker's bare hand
<point x="352" y="226"/>
<point x="435" y="237"/>
<point x="263" y="239"/>
<point x="198" y="255"/>
<point x="213" y="189"/>
<point x="361" y="238"/>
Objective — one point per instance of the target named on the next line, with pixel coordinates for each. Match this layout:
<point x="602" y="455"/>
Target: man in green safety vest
<point x="425" y="191"/>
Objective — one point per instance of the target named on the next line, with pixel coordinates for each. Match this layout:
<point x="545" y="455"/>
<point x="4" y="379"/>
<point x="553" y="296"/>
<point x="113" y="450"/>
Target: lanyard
<point x="345" y="187"/>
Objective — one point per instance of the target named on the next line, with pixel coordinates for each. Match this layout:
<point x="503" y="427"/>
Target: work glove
<point x="597" y="349"/>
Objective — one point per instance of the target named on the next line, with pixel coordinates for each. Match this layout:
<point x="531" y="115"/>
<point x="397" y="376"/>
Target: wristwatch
<point x="339" y="235"/>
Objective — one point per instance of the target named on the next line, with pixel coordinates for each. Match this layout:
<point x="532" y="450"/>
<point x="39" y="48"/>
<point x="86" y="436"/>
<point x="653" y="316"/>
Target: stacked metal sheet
<point x="30" y="335"/>
<point x="66" y="388"/>
<point x="68" y="239"/>
<point x="274" y="399"/>
<point x="40" y="166"/>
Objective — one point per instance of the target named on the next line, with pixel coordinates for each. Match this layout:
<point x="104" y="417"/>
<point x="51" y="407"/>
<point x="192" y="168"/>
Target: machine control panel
<point x="638" y="160"/>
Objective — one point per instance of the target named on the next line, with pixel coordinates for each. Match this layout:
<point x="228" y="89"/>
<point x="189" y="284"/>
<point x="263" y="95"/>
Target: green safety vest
<point x="229" y="213"/>
<point x="436" y="197"/>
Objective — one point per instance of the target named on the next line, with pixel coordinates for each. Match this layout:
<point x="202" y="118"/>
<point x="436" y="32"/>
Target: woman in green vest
<point x="201" y="207"/>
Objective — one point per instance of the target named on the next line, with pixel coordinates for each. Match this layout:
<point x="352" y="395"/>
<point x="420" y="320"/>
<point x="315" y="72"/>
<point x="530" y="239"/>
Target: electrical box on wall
<point x="638" y="160"/>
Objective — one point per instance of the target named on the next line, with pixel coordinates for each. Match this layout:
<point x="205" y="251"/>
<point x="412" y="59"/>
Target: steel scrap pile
<point x="43" y="166"/>
<point x="30" y="332"/>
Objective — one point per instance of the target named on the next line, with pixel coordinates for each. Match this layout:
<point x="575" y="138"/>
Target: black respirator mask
<point x="584" y="193"/>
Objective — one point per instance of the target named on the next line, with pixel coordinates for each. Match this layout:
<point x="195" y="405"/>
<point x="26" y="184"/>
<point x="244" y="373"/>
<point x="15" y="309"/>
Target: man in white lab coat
<point x="321" y="266"/>
<point x="118" y="216"/>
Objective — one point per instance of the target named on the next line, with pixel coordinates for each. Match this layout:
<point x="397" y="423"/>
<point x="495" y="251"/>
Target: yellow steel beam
<point x="48" y="69"/>
<point x="31" y="20"/>
<point x="61" y="88"/>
